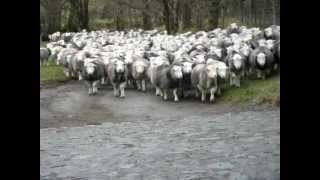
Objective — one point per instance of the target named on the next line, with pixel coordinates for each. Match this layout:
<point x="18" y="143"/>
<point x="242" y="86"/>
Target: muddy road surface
<point x="141" y="137"/>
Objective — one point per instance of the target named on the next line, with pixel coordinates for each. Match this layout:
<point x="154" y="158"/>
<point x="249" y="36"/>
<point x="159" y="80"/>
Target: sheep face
<point x="233" y="25"/>
<point x="187" y="67"/>
<point x="217" y="52"/>
<point x="90" y="67"/>
<point x="177" y="71"/>
<point x="199" y="59"/>
<point x="237" y="61"/>
<point x="270" y="44"/>
<point x="119" y="66"/>
<point x="211" y="71"/>
<point x="222" y="71"/>
<point x="268" y="32"/>
<point x="140" y="67"/>
<point x="262" y="43"/>
<point x="245" y="50"/>
<point x="261" y="59"/>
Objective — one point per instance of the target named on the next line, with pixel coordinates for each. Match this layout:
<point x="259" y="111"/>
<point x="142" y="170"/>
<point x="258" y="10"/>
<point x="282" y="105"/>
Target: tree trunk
<point x="241" y="11"/>
<point x="146" y="18"/>
<point x="171" y="12"/>
<point x="214" y="13"/>
<point x="86" y="14"/>
<point x="186" y="15"/>
<point x="274" y="11"/>
<point x="263" y="19"/>
<point x="223" y="16"/>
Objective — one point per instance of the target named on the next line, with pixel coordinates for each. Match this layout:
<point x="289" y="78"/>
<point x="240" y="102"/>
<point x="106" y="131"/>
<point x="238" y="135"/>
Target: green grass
<point x="255" y="91"/>
<point x="43" y="43"/>
<point x="51" y="74"/>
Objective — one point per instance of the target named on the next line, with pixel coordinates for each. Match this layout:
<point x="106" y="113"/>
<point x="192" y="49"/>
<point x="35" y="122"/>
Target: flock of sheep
<point x="204" y="61"/>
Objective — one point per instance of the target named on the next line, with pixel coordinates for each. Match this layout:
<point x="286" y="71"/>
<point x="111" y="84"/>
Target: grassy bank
<point x="51" y="75"/>
<point x="256" y="91"/>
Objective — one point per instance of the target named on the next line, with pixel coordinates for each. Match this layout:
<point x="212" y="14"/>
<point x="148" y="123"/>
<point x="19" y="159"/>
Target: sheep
<point x="55" y="36"/>
<point x="118" y="76"/>
<point x="236" y="63"/>
<point x="92" y="73"/>
<point x="166" y="78"/>
<point x="187" y="64"/>
<point x="151" y="72"/>
<point x="139" y="72"/>
<point x="222" y="73"/>
<point x="226" y="51"/>
<point x="64" y="58"/>
<point x="77" y="63"/>
<point x="44" y="55"/>
<point x="204" y="79"/>
<point x="261" y="61"/>
<point x="276" y="52"/>
<point x="272" y="32"/>
<point x="233" y="28"/>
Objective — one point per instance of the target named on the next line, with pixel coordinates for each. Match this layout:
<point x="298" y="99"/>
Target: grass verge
<point x="254" y="91"/>
<point x="51" y="75"/>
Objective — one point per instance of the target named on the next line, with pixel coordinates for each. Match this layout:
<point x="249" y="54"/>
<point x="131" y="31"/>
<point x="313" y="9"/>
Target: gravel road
<point x="142" y="137"/>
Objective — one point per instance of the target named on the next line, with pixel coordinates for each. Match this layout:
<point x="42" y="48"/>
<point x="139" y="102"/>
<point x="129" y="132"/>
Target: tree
<point x="53" y="12"/>
<point x="214" y="10"/>
<point x="146" y="18"/>
<point x="80" y="10"/>
<point x="171" y="11"/>
<point x="186" y="14"/>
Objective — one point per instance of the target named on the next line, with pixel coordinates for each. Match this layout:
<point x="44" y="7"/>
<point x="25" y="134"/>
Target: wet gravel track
<point x="142" y="137"/>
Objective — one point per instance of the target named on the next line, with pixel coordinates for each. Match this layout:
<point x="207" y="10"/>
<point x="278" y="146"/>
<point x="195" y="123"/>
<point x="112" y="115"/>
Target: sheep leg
<point x="103" y="80"/>
<point x="176" y="99"/>
<point x="263" y="75"/>
<point x="80" y="76"/>
<point x="203" y="93"/>
<point x="95" y="87"/>
<point x="143" y="83"/>
<point x="203" y="96"/>
<point x="238" y="81"/>
<point x="231" y="80"/>
<point x="66" y="72"/>
<point x="197" y="93"/>
<point x="90" y="90"/>
<point x="219" y="91"/>
<point x="165" y="95"/>
<point x="259" y="74"/>
<point x="122" y="86"/>
<point x="242" y="74"/>
<point x="115" y="90"/>
<point x="90" y="87"/>
<point x="212" y="91"/>
<point x="158" y="92"/>
<point x="250" y="71"/>
<point x="138" y="82"/>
